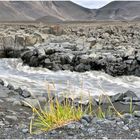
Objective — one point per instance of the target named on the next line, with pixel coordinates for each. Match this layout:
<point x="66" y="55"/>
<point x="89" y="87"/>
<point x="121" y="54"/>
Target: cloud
<point x="92" y="3"/>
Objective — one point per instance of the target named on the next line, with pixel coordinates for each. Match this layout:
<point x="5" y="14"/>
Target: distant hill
<point x="57" y="11"/>
<point x="43" y="11"/>
<point x="119" y="10"/>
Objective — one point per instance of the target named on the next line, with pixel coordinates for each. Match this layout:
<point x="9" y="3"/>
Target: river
<point x="37" y="80"/>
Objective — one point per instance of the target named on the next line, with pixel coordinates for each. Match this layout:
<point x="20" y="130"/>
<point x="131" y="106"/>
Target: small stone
<point x="1" y="101"/>
<point x="120" y="123"/>
<point x="84" y="122"/>
<point x="100" y="131"/>
<point x="2" y="114"/>
<point x="2" y="82"/>
<point x="91" y="131"/>
<point x="11" y="118"/>
<point x="19" y="90"/>
<point x="1" y="123"/>
<point x="105" y="138"/>
<point x="88" y="118"/>
<point x="30" y="102"/>
<point x="25" y="94"/>
<point x="11" y="99"/>
<point x="12" y="92"/>
<point x="42" y="99"/>
<point x="71" y="126"/>
<point x="127" y="116"/>
<point x="10" y="87"/>
<point x="136" y="113"/>
<point x="6" y="122"/>
<point x="52" y="132"/>
<point x="125" y="127"/>
<point x="25" y="130"/>
<point x="16" y="103"/>
<point x="108" y="121"/>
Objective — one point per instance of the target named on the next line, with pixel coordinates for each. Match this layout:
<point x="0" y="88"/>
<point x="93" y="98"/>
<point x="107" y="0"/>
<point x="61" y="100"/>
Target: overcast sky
<point x="92" y="3"/>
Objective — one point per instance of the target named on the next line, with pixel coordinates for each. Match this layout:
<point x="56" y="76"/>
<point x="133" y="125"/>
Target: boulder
<point x="56" y="30"/>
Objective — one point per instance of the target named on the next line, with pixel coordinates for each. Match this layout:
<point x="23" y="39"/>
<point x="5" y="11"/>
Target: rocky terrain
<point x="79" y="47"/>
<point x="112" y="49"/>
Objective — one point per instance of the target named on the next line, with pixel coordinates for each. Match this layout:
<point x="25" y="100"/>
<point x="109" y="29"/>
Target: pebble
<point x="120" y="124"/>
<point x="25" y="130"/>
<point x="25" y="94"/>
<point x="1" y="101"/>
<point x="125" y="127"/>
<point x="88" y="118"/>
<point x="2" y="113"/>
<point x="84" y="122"/>
<point x="71" y="126"/>
<point x="16" y="103"/>
<point x="91" y="131"/>
<point x="136" y="113"/>
<point x="11" y="118"/>
<point x="1" y="123"/>
<point x="42" y="99"/>
<point x="1" y="82"/>
<point x="127" y="116"/>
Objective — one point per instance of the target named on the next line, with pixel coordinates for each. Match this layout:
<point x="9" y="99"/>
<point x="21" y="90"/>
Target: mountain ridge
<point x="57" y="11"/>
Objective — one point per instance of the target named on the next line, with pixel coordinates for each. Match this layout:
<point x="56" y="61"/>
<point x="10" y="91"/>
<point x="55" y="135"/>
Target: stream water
<point x="37" y="80"/>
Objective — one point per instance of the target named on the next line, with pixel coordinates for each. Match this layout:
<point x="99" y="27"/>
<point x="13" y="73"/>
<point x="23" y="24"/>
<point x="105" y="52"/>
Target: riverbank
<point x="15" y="117"/>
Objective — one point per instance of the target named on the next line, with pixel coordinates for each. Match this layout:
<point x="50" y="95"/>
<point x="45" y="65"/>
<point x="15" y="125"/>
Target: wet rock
<point x="10" y="87"/>
<point x="4" y="91"/>
<point x="25" y="94"/>
<point x="117" y="97"/>
<point x="19" y="90"/>
<point x="131" y="94"/>
<point x="1" y="82"/>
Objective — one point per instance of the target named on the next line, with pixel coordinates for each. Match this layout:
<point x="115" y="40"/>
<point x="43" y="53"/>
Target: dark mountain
<point x="43" y="10"/>
<point x="119" y="10"/>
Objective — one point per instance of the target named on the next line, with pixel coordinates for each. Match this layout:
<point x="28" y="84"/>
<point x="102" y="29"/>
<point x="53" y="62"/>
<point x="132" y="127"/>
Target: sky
<point x="92" y="3"/>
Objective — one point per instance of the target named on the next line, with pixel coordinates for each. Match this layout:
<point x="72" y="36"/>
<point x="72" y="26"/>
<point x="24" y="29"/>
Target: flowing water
<point x="37" y="80"/>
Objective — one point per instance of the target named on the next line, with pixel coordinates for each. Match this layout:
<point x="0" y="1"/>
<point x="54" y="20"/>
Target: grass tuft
<point x="58" y="115"/>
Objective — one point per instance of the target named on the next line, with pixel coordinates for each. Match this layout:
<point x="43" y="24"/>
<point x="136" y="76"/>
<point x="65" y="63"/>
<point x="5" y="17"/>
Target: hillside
<point x="52" y="10"/>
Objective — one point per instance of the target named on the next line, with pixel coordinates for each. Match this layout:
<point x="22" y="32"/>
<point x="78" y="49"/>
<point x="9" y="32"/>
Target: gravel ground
<point x="14" y="123"/>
